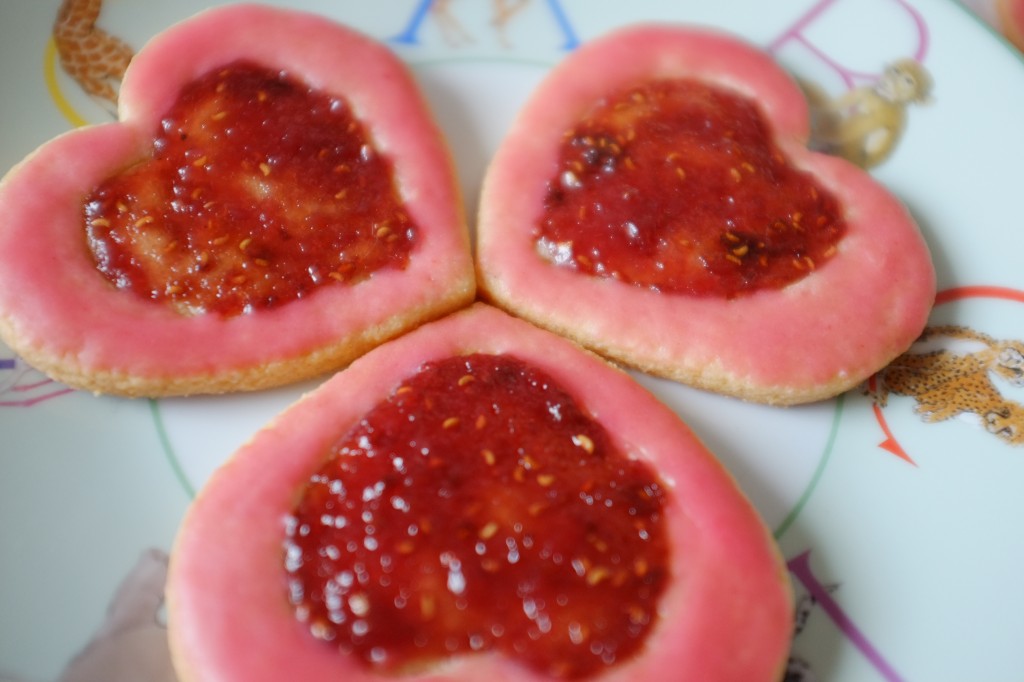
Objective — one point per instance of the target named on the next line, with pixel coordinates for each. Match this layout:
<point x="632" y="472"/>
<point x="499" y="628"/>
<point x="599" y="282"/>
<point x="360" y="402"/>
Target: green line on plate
<point x="165" y="442"/>
<point x="822" y="463"/>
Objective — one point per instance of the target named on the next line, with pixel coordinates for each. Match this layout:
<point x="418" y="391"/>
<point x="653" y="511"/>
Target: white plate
<point x="902" y="535"/>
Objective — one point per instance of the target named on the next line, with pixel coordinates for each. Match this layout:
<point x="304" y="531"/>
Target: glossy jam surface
<point x="259" y="191"/>
<point x="677" y="186"/>
<point x="478" y="508"/>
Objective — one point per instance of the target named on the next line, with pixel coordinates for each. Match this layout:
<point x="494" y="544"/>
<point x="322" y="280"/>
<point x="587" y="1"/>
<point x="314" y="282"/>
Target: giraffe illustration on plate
<point x="798" y="669"/>
<point x="23" y="386"/>
<point x="864" y="125"/>
<point x="130" y="643"/>
<point x="95" y="59"/>
<point x="453" y="30"/>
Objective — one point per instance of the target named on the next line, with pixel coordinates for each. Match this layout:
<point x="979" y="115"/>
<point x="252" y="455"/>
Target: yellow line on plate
<point x="50" y="76"/>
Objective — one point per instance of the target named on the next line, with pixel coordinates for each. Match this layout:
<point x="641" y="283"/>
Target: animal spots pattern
<point x="947" y="383"/>
<point x="95" y="59"/>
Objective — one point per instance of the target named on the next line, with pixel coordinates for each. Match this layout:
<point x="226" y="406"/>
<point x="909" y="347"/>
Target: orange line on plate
<point x="890" y="443"/>
<point x="979" y="291"/>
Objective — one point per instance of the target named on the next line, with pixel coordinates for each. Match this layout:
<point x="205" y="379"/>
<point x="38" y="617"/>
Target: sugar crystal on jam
<point x="480" y="508"/>
<point x="260" y="190"/>
<point x="676" y="185"/>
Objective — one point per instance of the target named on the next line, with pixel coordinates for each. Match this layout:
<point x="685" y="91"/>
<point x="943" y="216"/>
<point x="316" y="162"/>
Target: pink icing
<point x="51" y="295"/>
<point x="803" y="342"/>
<point x="727" y="613"/>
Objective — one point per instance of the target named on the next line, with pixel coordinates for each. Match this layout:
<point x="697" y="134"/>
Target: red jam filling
<point x="676" y="185"/>
<point x="479" y="508"/>
<point x="259" y="191"/>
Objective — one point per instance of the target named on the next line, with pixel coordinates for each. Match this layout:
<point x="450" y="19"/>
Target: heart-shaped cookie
<point x="655" y="200"/>
<point x="262" y="212"/>
<point x="479" y="499"/>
